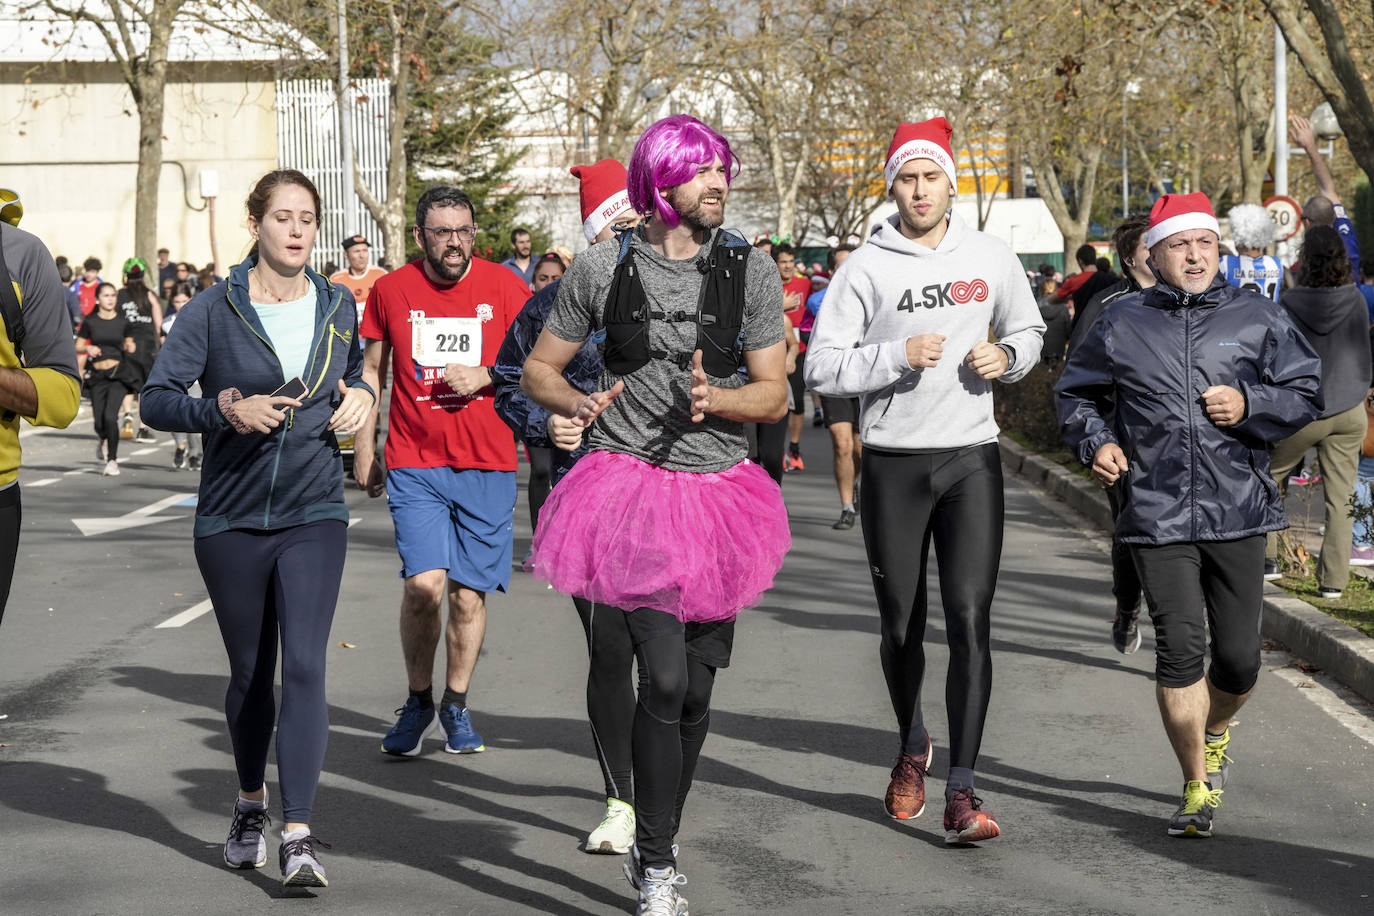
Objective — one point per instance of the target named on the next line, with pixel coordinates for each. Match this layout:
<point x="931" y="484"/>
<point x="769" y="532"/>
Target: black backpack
<point x="719" y="316"/>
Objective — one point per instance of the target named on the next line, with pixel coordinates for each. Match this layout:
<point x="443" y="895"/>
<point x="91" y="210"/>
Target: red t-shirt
<point x="87" y="293"/>
<point x="429" y="425"/>
<point x="802" y="287"/>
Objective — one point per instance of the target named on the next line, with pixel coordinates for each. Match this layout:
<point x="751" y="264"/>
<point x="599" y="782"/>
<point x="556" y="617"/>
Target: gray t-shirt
<point x="652" y="418"/>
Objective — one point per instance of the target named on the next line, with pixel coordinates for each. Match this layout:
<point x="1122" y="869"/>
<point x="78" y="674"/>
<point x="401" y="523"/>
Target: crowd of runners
<point x="658" y="383"/>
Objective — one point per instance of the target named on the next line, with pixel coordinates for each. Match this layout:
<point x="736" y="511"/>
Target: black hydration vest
<point x="719" y="316"/>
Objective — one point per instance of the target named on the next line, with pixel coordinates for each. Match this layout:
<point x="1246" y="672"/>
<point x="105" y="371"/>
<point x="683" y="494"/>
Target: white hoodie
<point x="892" y="288"/>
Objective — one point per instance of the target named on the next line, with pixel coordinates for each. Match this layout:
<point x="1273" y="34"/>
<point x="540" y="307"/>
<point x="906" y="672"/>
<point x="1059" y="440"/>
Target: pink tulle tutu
<point x="617" y="530"/>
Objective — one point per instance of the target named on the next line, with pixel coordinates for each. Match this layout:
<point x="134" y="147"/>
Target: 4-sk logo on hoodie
<point x="939" y="295"/>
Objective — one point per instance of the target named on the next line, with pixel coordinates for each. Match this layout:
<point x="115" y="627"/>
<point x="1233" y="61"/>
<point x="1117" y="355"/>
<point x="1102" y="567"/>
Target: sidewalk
<point x="1343" y="652"/>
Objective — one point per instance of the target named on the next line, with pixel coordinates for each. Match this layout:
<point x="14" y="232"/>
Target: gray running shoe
<point x="246" y="846"/>
<point x="634" y="866"/>
<point x="658" y="894"/>
<point x="846" y="520"/>
<point x="299" y="865"/>
<point x="1194" y="816"/>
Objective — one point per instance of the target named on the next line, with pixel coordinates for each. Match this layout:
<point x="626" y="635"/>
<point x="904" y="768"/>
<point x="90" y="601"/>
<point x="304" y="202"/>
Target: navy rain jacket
<point x="526" y="418"/>
<point x="1149" y="356"/>
<point x="257" y="481"/>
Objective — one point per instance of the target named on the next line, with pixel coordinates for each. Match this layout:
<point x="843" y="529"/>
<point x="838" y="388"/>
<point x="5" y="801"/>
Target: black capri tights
<point x="1227" y="579"/>
<point x="955" y="498"/>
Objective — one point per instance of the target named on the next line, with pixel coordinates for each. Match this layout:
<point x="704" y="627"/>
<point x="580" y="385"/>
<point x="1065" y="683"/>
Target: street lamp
<point x="1326" y="127"/>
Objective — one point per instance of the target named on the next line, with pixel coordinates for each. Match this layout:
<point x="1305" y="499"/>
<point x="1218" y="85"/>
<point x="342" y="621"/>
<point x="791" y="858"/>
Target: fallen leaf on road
<point x="176" y="594"/>
<point x="348" y="645"/>
<point x="1305" y="668"/>
<point x="1308" y="684"/>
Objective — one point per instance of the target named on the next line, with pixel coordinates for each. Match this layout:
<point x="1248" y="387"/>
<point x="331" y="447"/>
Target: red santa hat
<point x="1178" y="213"/>
<point x="927" y="140"/>
<point x="603" y="194"/>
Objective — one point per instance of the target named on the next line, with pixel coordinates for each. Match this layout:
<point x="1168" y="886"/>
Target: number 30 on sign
<point x="440" y="341"/>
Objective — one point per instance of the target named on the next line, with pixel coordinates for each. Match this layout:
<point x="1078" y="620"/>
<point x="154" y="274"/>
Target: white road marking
<point x="137" y="518"/>
<point x="78" y="471"/>
<point x="1333" y="698"/>
<point x="186" y="616"/>
<point x="145" y="451"/>
<point x="41" y="483"/>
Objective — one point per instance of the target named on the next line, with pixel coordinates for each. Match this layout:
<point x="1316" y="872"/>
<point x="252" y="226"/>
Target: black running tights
<point x="955" y="498"/>
<point x="106" y="396"/>
<point x="671" y="720"/>
<point x="541" y="471"/>
<point x="610" y="693"/>
<point x="265" y="585"/>
<point x="11" y="517"/>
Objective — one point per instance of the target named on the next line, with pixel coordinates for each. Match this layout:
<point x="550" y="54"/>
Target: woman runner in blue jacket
<point x="271" y="524"/>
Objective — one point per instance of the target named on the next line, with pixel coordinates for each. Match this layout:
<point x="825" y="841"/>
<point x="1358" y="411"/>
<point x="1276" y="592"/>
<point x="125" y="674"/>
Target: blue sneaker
<point x="462" y="737"/>
<point x="411" y="729"/>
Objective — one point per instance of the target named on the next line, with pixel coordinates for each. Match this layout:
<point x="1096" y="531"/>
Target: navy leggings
<point x="955" y="498"/>
<point x="267" y="585"/>
<point x="610" y="693"/>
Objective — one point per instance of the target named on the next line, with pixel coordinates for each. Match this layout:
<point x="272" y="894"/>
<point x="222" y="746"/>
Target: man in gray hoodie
<point x="905" y="329"/>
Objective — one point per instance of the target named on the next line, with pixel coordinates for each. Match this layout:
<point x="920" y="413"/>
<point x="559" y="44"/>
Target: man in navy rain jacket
<point x="1202" y="376"/>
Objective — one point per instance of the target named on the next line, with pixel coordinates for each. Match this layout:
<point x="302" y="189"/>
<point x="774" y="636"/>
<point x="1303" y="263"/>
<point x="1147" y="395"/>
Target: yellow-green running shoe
<point x="1194" y="816"/>
<point x="1218" y="764"/>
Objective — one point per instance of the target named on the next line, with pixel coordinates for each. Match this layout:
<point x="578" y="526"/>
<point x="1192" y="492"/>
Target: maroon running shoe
<point x="906" y="793"/>
<point x="966" y="821"/>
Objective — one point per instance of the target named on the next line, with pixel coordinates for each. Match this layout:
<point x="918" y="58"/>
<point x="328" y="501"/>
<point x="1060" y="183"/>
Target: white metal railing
<point x="308" y="140"/>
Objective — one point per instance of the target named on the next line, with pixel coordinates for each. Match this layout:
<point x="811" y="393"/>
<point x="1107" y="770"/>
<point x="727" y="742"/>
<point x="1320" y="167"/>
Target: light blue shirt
<point x="290" y="327"/>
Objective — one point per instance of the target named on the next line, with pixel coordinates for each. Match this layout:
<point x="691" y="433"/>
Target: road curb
<point x="1341" y="651"/>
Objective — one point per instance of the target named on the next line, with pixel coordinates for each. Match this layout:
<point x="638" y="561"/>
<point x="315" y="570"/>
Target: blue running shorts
<point x="459" y="520"/>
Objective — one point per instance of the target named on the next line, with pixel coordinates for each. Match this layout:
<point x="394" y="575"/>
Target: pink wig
<point x="669" y="154"/>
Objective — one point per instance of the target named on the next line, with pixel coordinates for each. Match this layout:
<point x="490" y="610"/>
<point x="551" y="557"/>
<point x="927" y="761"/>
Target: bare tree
<point x="138" y="35"/>
<point x="1330" y="61"/>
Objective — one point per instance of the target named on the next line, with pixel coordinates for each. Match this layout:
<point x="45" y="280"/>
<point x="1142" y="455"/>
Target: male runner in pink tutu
<point x="905" y="329"/>
<point x="666" y="519"/>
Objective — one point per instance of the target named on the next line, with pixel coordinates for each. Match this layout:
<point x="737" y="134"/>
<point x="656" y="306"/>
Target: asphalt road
<point x="116" y="780"/>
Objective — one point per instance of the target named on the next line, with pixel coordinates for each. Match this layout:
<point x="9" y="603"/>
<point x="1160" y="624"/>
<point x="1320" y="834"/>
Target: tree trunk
<point x="1073" y="226"/>
<point x="390" y="213"/>
<point x="150" y="75"/>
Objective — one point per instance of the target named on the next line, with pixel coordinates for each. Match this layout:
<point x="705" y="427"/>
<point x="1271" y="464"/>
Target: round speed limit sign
<point x="1286" y="214"/>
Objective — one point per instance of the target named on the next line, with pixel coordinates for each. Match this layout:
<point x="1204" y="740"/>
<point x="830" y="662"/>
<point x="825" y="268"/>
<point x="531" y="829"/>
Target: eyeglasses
<point x="444" y="233"/>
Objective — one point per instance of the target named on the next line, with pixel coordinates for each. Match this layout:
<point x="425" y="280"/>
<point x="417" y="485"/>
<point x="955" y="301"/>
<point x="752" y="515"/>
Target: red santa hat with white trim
<point x="926" y="140"/>
<point x="603" y="194"/>
<point x="1179" y="213"/>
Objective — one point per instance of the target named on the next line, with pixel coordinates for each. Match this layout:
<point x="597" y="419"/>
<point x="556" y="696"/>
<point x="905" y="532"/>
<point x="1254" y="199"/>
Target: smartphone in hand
<point x="295" y="388"/>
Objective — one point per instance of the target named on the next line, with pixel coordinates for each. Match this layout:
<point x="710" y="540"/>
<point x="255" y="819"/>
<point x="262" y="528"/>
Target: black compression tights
<point x="671" y="720"/>
<point x="955" y="498"/>
<point x="610" y="692"/>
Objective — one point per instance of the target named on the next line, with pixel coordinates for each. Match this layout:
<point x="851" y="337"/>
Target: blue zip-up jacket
<point x="257" y="481"/>
<point x="527" y="419"/>
<point x="1149" y="356"/>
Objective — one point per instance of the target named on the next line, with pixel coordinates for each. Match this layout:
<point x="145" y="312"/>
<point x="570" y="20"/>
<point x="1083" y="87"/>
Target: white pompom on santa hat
<point x="1179" y="213"/>
<point x="926" y="140"/>
<point x="603" y="194"/>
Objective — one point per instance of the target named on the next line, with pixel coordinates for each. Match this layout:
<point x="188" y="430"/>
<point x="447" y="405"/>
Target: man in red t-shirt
<point x="450" y="460"/>
<point x="795" y="291"/>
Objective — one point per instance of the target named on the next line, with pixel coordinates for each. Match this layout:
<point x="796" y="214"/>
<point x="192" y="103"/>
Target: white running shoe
<point x="616" y="832"/>
<point x="111" y="469"/>
<point x="658" y="894"/>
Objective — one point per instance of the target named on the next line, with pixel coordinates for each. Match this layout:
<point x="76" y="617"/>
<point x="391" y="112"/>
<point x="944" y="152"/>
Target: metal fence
<point x="308" y="140"/>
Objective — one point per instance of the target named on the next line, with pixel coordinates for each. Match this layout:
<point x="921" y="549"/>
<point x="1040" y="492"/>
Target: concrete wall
<point x="71" y="144"/>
